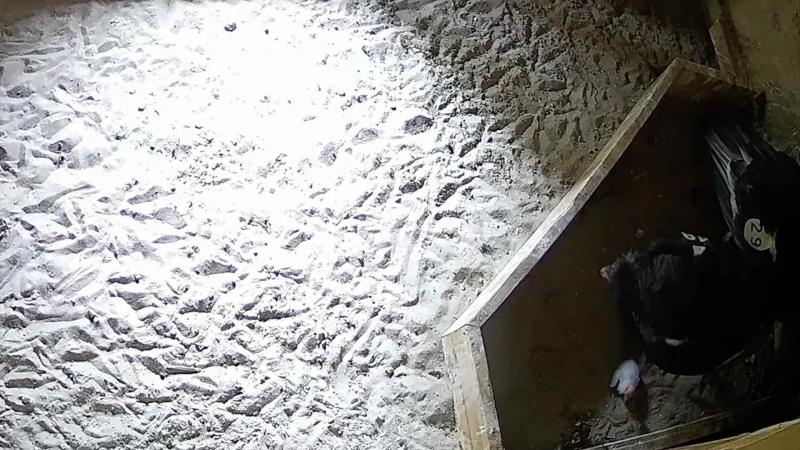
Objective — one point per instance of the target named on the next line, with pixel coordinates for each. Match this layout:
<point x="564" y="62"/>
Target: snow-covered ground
<point x="246" y="224"/>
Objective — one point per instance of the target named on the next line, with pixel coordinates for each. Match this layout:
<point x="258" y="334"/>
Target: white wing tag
<point x="756" y="236"/>
<point x="698" y="243"/>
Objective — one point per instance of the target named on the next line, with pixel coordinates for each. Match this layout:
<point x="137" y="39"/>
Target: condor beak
<point x="607" y="272"/>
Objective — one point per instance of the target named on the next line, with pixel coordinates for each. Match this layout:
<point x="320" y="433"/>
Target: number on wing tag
<point x="756" y="235"/>
<point x="699" y="243"/>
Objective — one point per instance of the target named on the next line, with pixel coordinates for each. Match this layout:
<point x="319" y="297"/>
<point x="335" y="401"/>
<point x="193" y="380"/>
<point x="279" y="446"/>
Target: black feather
<point x="758" y="189"/>
<point x="681" y="299"/>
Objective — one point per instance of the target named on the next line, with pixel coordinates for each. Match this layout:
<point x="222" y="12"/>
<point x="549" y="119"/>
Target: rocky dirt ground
<point x="246" y="224"/>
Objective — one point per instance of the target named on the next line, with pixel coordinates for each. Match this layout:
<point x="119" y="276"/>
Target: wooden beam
<point x="680" y="434"/>
<point x="468" y="372"/>
<point x="726" y="45"/>
<point x="783" y="435"/>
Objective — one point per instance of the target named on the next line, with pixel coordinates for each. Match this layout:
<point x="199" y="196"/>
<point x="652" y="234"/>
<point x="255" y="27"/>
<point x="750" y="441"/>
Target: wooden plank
<point x="783" y="435"/>
<point x="680" y="434"/>
<point x="726" y="47"/>
<point x="722" y="49"/>
<point x="468" y="373"/>
<point x="535" y="247"/>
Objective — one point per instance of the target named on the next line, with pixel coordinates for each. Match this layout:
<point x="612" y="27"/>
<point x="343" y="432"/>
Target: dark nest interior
<point x="554" y="343"/>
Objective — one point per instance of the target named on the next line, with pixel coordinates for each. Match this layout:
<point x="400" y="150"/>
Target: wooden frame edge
<point x="679" y="434"/>
<point x="468" y="372"/>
